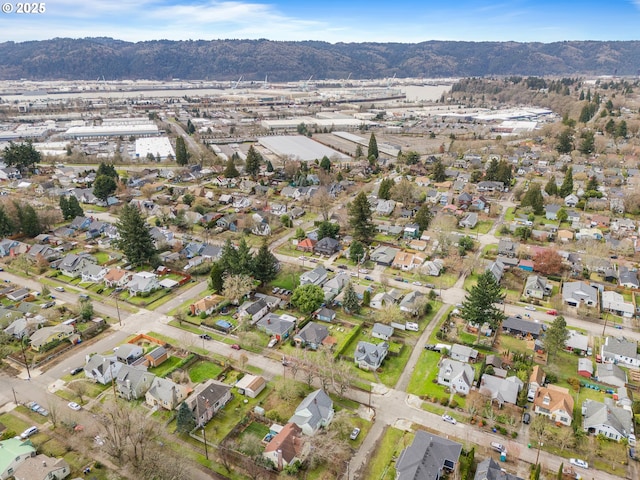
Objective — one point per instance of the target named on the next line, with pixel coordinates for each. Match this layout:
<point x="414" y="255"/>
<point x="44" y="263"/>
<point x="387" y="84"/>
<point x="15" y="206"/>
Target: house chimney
<point x="44" y="463"/>
<point x="280" y="463"/>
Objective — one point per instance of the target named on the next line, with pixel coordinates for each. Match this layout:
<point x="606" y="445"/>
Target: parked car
<point x="530" y="307"/>
<point x="272" y="343"/>
<point x="235" y="346"/>
<point x="59" y="289"/>
<point x="205" y="336"/>
<point x="34" y="406"/>
<point x="354" y="433"/>
<point x="552" y="312"/>
<point x="74" y="406"/>
<point x="578" y="463"/>
<point x="526" y="418"/>
<point x="354" y="274"/>
<point x="343" y="267"/>
<point x="417" y="284"/>
<point x="412" y="326"/>
<point x="43" y="411"/>
<point x="398" y="279"/>
<point x="275" y="290"/>
<point x="367" y="277"/>
<point x="449" y="419"/>
<point x="76" y="370"/>
<point x="28" y="432"/>
<point x="83" y="296"/>
<point x="48" y="305"/>
<point x="498" y="447"/>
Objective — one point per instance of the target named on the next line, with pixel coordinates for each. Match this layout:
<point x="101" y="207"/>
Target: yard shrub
<point x="453" y="404"/>
<point x="275" y="416"/>
<point x="514" y="434"/>
<point x="574" y="382"/>
<point x="444" y="401"/>
<point x="203" y="315"/>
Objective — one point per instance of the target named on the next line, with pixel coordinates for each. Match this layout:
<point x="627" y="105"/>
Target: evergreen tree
<point x="6" y="225"/>
<point x="592" y="184"/>
<point x="504" y="172"/>
<point x="567" y="184"/>
<point x="610" y="126"/>
<point x="75" y="209"/>
<point x="356" y="251"/>
<point x="587" y="145"/>
<point x="185" y="421"/>
<point x="621" y="129"/>
<point x="423" y="217"/>
<point x="135" y="240"/>
<point x="359" y="151"/>
<point x="269" y="166"/>
<point x="360" y="219"/>
<point x="350" y="302"/>
<point x="107" y="169"/>
<point x="565" y="141"/>
<point x="366" y="298"/>
<point x="372" y="152"/>
<point x="551" y="187"/>
<point x="245" y="258"/>
<point x="265" y="264"/>
<point x="230" y="170"/>
<point x="182" y="156"/>
<point x="64" y="207"/>
<point x="23" y="156"/>
<point x="328" y="229"/>
<point x="492" y="170"/>
<point x="325" y="164"/>
<point x="480" y="304"/>
<point x="191" y="129"/>
<point x="29" y="221"/>
<point x="254" y="159"/>
<point x="216" y="277"/>
<point x="533" y="198"/>
<point x="104" y="186"/>
<point x="384" y="190"/>
<point x="439" y="172"/>
<point x="229" y="258"/>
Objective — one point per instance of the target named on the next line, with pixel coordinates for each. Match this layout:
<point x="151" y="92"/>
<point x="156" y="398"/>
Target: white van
<point x="412" y="326"/>
<point x="28" y="432"/>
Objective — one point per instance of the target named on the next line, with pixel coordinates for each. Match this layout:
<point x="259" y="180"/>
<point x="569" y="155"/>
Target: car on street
<point x="354" y="433"/>
<point x="205" y="336"/>
<point x="367" y="277"/>
<point x="498" y="447"/>
<point x="354" y="274"/>
<point x="552" y="312"/>
<point x="83" y="296"/>
<point x="417" y="284"/>
<point x="576" y="462"/>
<point x="48" y="305"/>
<point x="449" y="419"/>
<point x="235" y="346"/>
<point x="364" y="270"/>
<point x="530" y="307"/>
<point x="343" y="267"/>
<point x="313" y="260"/>
<point x="59" y="289"/>
<point x="76" y="370"/>
<point x="74" y="406"/>
<point x="398" y="279"/>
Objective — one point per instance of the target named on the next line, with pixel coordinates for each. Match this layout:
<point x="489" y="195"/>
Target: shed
<point x="585" y="367"/>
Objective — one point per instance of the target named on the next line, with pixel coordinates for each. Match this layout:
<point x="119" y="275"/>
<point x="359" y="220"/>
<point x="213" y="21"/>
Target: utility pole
<point x="15" y="399"/>
<point x="118" y="309"/>
<point x="24" y="356"/>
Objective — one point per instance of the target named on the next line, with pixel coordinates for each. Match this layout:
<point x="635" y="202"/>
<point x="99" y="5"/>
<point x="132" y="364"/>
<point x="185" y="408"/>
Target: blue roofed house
<point x="313" y="413"/>
<point x="429" y="457"/>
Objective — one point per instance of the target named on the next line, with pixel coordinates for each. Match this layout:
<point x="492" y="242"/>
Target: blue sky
<point x="329" y="20"/>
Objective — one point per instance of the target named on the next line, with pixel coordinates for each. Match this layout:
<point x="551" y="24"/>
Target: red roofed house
<point x="306" y="245"/>
<point x="286" y="447"/>
<point x="116" y="277"/>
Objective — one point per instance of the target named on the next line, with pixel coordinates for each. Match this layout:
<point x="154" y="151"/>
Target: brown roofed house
<point x="286" y="447"/>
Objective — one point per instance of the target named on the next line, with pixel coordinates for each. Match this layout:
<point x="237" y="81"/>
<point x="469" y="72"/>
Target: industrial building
<point x="301" y="148"/>
<point x="156" y="146"/>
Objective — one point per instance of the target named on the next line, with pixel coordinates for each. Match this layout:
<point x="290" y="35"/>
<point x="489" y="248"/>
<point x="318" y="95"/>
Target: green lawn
<point x="102" y="257"/>
<point x="425" y="371"/>
<point x="382" y="463"/>
<point x="254" y="428"/>
<point x="202" y="371"/>
<point x="286" y="280"/>
<point x="166" y="367"/>
<point x="14" y="423"/>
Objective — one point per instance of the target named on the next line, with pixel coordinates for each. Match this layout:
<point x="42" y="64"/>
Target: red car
<point x="235" y="346"/>
<point x="552" y="312"/>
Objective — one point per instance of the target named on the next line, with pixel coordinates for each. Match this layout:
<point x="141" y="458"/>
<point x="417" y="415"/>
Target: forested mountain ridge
<point x="91" y="58"/>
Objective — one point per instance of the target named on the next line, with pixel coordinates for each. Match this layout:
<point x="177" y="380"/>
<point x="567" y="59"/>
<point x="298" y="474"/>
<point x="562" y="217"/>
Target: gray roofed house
<point x="537" y="287"/>
<point x="45" y="335"/>
<point x="463" y="353"/>
<point x="256" y="310"/>
<point x="575" y="293"/>
<point x="335" y="285"/>
<point x="142" y="282"/>
<point x="93" y="273"/>
<point x="585" y="367"/>
<point x="327" y="246"/>
<point x="102" y="369"/>
<point x="551" y="211"/>
<point x="503" y="390"/>
<point x="628" y="278"/>
<point x="207" y="399"/>
<point x="23" y="326"/>
<point x="470" y="220"/>
<point x="71" y="265"/>
<point x="611" y="374"/>
<point x="489" y="469"/>
<point x="620" y="350"/>
<point x="129" y="353"/>
<point x="279" y="325"/>
<point x="317" y="276"/>
<point x="458" y="376"/>
<point x="605" y="418"/>
<point x="314" y="412"/>
<point x="576" y="341"/>
<point x="412" y="302"/>
<point x="497" y="270"/>
<point x="382" y="331"/>
<point x="519" y="326"/>
<point x="369" y="356"/>
<point x="312" y="335"/>
<point x="427" y="458"/>
<point x="507" y="248"/>
<point x="132" y="382"/>
<point x="384" y="255"/>
<point x="165" y="393"/>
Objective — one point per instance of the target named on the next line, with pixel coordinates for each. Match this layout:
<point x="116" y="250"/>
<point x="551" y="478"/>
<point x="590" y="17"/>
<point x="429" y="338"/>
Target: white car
<point x="59" y="289"/>
<point x="530" y="307"/>
<point x="74" y="406"/>
<point x="417" y="284"/>
<point x="498" y="447"/>
<point x="354" y="433"/>
<point x="578" y="463"/>
<point x="449" y="419"/>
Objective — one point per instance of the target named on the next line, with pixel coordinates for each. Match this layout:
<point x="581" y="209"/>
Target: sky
<point x="406" y="21"/>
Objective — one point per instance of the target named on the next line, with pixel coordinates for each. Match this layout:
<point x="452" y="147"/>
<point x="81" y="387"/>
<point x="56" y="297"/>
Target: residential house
<point x="469" y="221"/>
<point x="43" y="251"/>
<point x="536" y="380"/>
<point x="251" y="385"/>
<point x="502" y="390"/>
<point x="489" y="469"/>
<point x="585" y="368"/>
<point x="46" y="335"/>
<point x="628" y="278"/>
<point x="72" y="265"/>
<point x="464" y="199"/>
<point x="518" y="326"/>
<point x="537" y="287"/>
<point x="306" y="245"/>
<point x="93" y="273"/>
<point x="497" y="270"/>
<point x="325" y="314"/>
<point x="551" y="211"/>
<point x="327" y="246"/>
<point x="286" y="447"/>
<point x="143" y="282"/>
<point x="411" y="231"/>
<point x="384" y="255"/>
<point x="382" y="331"/>
<point x="412" y="302"/>
<point x="577" y="342"/>
<point x="311" y="336"/>
<point x="41" y="467"/>
<point x="611" y="374"/>
<point x="571" y="200"/>
<point x="317" y="276"/>
<point x="462" y="353"/>
<point x="607" y="419"/>
<point x="406" y="261"/>
<point x="133" y="382"/>
<point x="80" y="223"/>
<point x="13" y="452"/>
<point x="102" y="369"/>
<point x="490" y="186"/>
<point x="369" y="356"/>
<point x="381" y="299"/>
<point x="385" y="207"/>
<point x="433" y="267"/>
<point x="157" y="356"/>
<point x="334" y="286"/>
<point x="620" y="350"/>
<point x="576" y="293"/>
<point x="165" y="393"/>
<point x="24" y="326"/>
<point x="589" y="234"/>
<point x="129" y="353"/>
<point x="116" y="277"/>
<point x="207" y="399"/>
<point x="615" y="302"/>
<point x="314" y="412"/>
<point x="428" y="457"/>
<point x="507" y="248"/>
<point x="18" y="295"/>
<point x="565" y="235"/>
<point x="458" y="376"/>
<point x="253" y="309"/>
<point x="526" y="265"/>
<point x="479" y="203"/>
<point x="554" y="402"/>
<point x="208" y="305"/>
<point x="279" y="326"/>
